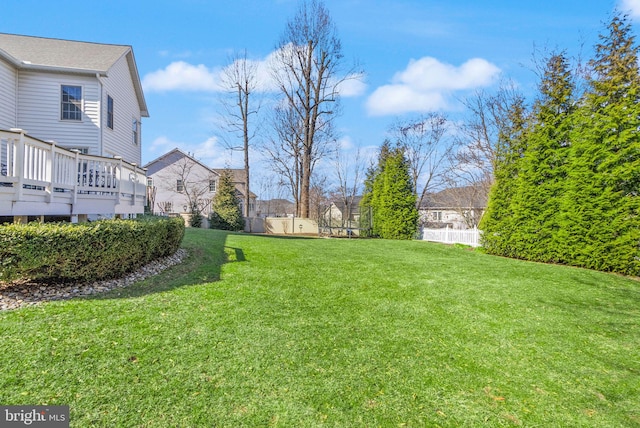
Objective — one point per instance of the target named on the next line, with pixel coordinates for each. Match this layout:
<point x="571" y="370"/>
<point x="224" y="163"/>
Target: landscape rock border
<point x="17" y="295"/>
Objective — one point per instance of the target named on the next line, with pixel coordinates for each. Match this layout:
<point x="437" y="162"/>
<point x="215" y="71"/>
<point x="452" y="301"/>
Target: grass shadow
<point x="206" y="255"/>
<point x="234" y="254"/>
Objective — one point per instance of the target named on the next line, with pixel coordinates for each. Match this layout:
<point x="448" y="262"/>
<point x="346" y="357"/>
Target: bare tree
<point x="349" y="171"/>
<point x="151" y="198"/>
<point x="308" y="70"/>
<point x="479" y="136"/>
<point x="239" y="80"/>
<point x="191" y="183"/>
<point x="426" y="150"/>
<point x="284" y="149"/>
<point x="318" y="195"/>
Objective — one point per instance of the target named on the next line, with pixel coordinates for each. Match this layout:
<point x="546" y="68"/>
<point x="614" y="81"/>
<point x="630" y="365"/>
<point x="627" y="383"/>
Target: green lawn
<point x="297" y="332"/>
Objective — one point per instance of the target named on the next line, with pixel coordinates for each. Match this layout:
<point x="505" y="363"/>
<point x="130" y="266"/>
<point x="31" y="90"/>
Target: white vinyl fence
<point x="452" y="236"/>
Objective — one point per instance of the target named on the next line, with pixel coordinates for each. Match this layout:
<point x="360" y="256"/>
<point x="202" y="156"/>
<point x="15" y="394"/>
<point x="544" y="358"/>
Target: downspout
<point x="15" y="100"/>
<point x="100" y="142"/>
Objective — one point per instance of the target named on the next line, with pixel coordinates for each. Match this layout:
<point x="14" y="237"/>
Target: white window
<point x="437" y="215"/>
<point x="212" y="185"/>
<point x="149" y="182"/>
<point x="109" y="112"/>
<point x="166" y="207"/>
<point x="81" y="150"/>
<point x="135" y="127"/>
<point x="179" y="186"/>
<point x="71" y="103"/>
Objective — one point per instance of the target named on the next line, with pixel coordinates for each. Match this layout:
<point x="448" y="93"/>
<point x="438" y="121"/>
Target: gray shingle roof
<point x="456" y="197"/>
<point x="69" y="56"/>
<point x="61" y="53"/>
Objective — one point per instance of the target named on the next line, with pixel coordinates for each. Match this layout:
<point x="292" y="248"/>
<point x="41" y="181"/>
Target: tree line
<point x="562" y="175"/>
<point x="567" y="170"/>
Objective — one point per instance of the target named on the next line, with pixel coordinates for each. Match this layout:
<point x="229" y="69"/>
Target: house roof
<point x="177" y="154"/>
<point x="275" y="201"/>
<point x="171" y="157"/>
<point x="67" y="56"/>
<point x="456" y="197"/>
<point x="237" y="175"/>
<point x="341" y="204"/>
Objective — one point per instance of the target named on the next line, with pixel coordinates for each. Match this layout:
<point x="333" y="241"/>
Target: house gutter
<point x="101" y="107"/>
<point x="27" y="65"/>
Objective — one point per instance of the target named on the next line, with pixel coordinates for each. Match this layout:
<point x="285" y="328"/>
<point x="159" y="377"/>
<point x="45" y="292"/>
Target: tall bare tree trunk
<point x="306" y="68"/>
<point x="239" y="79"/>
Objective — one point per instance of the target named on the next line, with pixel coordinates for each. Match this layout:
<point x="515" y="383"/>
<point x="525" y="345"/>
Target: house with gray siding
<point x="70" y="128"/>
<point x="176" y="181"/>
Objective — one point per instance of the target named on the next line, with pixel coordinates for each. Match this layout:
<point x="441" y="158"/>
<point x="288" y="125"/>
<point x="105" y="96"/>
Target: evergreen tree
<point x="394" y="199"/>
<point x="369" y="199"/>
<point x="542" y="176"/>
<point x="226" y="213"/>
<point x="601" y="206"/>
<point x="366" y="210"/>
<point x="498" y="224"/>
<point x="196" y="215"/>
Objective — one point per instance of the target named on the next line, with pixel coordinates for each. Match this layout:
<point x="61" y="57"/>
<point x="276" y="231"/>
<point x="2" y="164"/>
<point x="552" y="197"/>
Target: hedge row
<point x="64" y="252"/>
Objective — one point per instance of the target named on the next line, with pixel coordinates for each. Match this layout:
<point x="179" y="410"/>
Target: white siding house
<point x="456" y="208"/>
<point x="60" y="95"/>
<point x="7" y="95"/>
<point x="176" y="180"/>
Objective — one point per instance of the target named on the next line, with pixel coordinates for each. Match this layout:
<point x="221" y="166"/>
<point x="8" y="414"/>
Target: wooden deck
<point x="39" y="178"/>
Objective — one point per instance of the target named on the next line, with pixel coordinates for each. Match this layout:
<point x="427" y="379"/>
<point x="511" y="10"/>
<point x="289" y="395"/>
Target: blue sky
<point x="418" y="55"/>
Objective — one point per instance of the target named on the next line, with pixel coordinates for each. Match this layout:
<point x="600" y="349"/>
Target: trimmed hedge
<point x="64" y="252"/>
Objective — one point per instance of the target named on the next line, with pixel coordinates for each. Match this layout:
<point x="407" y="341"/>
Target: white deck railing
<point x="40" y="178"/>
<point x="452" y="236"/>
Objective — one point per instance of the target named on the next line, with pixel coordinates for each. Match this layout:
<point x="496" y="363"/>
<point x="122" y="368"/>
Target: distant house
<point x="275" y="208"/>
<point x="70" y="128"/>
<point x="457" y="208"/>
<point x="342" y="212"/>
<point x="176" y="181"/>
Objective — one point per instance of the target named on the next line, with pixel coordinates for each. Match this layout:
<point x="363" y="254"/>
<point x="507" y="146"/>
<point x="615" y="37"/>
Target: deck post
<point x="135" y="183"/>
<point x="118" y="178"/>
<point x="20" y="219"/>
<point x="77" y="181"/>
<point x="18" y="163"/>
<point x="51" y="171"/>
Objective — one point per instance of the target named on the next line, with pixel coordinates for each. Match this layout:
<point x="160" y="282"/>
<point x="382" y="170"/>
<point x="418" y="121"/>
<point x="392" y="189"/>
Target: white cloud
<point x="161" y="145"/>
<point x="352" y="86"/>
<point x="426" y="84"/>
<point x="259" y="68"/>
<point x="398" y="99"/>
<point x="346" y="143"/>
<point x="211" y="153"/>
<point x="182" y="76"/>
<point x="632" y="7"/>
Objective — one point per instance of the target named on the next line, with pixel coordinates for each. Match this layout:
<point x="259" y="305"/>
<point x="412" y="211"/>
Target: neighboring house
<point x="341" y="217"/>
<point x="341" y="212"/>
<point x="457" y="208"/>
<point x="275" y="208"/>
<point x="177" y="182"/>
<point x="60" y="95"/>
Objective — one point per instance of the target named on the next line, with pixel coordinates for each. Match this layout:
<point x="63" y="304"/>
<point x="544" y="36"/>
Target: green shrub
<point x="64" y="252"/>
